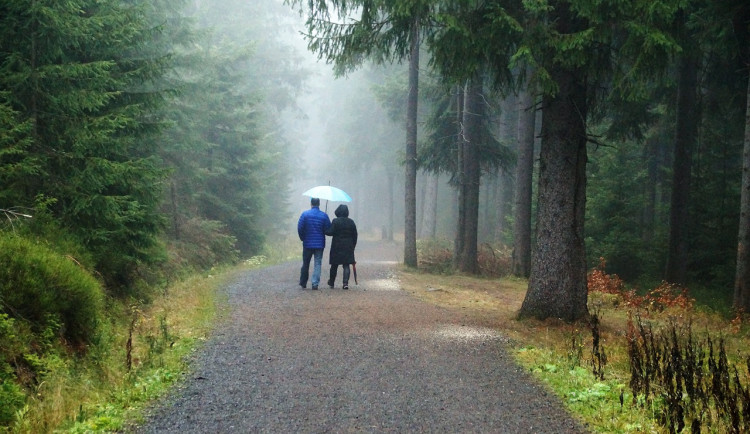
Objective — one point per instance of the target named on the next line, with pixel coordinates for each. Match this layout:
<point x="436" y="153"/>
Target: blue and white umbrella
<point x="327" y="192"/>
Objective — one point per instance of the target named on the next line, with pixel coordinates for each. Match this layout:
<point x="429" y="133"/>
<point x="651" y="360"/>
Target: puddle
<point x="466" y="333"/>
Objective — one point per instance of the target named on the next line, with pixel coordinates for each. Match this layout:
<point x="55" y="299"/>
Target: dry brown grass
<point x="496" y="302"/>
<point x="492" y="302"/>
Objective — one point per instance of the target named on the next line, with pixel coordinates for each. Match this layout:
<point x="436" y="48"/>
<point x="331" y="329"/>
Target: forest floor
<point x="392" y="354"/>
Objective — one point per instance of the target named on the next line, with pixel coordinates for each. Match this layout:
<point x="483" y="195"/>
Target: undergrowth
<point x="142" y="352"/>
<point x="649" y="360"/>
<point x="684" y="380"/>
<point x="436" y="257"/>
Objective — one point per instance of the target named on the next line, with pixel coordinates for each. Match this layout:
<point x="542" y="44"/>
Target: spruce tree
<point x="79" y="72"/>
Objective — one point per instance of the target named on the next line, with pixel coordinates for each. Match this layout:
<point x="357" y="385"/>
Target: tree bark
<point x="410" y="182"/>
<point x="557" y="284"/>
<point x="741" y="301"/>
<point x="471" y="174"/>
<point x="685" y="139"/>
<point x="458" y="244"/>
<point x="429" y="210"/>
<point x="490" y="192"/>
<point x="391" y="205"/>
<point x="524" y="174"/>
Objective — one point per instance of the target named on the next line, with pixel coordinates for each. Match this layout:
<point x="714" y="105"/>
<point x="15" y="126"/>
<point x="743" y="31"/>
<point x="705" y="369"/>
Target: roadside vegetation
<point x="139" y="157"/>
<point x="647" y="359"/>
<point x="74" y="359"/>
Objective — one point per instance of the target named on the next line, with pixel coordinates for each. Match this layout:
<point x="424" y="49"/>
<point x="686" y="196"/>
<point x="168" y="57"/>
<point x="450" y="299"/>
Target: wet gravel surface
<point x="370" y="359"/>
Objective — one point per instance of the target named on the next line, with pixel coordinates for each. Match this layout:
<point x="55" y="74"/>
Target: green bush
<point x="11" y="347"/>
<point x="43" y="287"/>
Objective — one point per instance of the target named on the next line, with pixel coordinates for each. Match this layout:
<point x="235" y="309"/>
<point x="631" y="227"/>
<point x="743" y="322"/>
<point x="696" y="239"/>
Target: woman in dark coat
<point x="344" y="233"/>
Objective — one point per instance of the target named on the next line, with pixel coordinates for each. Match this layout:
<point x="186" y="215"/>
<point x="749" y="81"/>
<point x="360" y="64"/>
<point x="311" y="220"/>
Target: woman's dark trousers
<point x="334" y="272"/>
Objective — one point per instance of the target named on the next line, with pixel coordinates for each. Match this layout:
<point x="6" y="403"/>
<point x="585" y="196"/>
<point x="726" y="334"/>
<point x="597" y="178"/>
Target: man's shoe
<point x="346" y="286"/>
<point x="315" y="286"/>
<point x="302" y="286"/>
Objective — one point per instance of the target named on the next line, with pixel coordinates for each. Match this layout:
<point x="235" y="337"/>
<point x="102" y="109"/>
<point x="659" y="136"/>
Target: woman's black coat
<point x="344" y="233"/>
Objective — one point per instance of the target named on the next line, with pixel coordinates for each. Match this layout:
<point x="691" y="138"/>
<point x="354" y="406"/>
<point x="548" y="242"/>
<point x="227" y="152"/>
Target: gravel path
<point x="370" y="359"/>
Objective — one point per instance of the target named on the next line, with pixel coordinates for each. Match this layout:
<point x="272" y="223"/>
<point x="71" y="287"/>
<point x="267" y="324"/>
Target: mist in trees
<point x="168" y="135"/>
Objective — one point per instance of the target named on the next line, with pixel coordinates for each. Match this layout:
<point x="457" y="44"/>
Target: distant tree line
<point x="644" y="118"/>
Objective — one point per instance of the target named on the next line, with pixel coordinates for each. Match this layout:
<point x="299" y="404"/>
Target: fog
<point x="336" y="131"/>
<point x="319" y="126"/>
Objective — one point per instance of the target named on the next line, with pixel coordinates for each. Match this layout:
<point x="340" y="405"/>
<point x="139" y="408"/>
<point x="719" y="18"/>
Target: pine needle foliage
<point x="78" y="77"/>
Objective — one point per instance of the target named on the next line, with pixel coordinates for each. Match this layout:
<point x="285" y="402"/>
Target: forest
<point x="142" y="142"/>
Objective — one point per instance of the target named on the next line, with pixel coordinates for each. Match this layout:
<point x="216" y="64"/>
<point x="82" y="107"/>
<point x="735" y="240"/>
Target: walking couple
<point x="312" y="228"/>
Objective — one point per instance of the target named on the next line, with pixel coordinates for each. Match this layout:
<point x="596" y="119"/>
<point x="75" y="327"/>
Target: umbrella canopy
<point x="328" y="193"/>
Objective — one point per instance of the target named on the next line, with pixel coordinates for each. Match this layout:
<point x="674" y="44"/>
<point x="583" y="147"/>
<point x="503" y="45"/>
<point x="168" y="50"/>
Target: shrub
<point x="664" y="296"/>
<point x="689" y="379"/>
<point x="494" y="262"/>
<point x="435" y="256"/>
<point x="43" y="287"/>
<point x="11" y="347"/>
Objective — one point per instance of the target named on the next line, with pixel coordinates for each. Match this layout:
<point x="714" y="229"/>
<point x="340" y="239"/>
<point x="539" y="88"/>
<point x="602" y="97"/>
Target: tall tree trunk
<point x="410" y="171"/>
<point x="557" y="284"/>
<point x="523" y="188"/>
<point x="471" y="171"/>
<point x="429" y="210"/>
<point x="685" y="139"/>
<point x="391" y="205"/>
<point x="742" y="277"/>
<point x="490" y="192"/>
<point x="420" y="204"/>
<point x="458" y="244"/>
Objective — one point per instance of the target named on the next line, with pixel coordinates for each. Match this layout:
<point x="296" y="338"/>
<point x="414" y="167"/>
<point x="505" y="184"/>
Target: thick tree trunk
<point x="685" y="138"/>
<point x="523" y="188"/>
<point x="429" y="210"/>
<point x="557" y="285"/>
<point x="471" y="174"/>
<point x="742" y="277"/>
<point x="410" y="182"/>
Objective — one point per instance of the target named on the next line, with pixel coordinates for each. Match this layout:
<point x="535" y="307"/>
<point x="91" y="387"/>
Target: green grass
<point x="595" y="401"/>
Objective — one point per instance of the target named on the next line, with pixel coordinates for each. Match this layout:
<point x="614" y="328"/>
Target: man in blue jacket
<point x="311" y="227"/>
